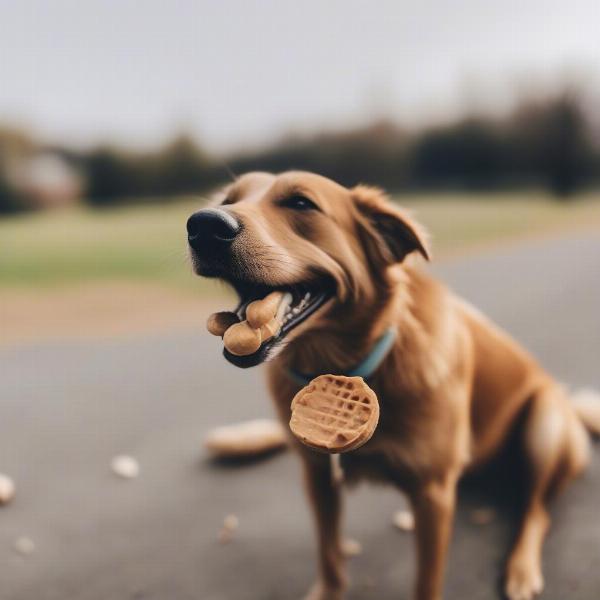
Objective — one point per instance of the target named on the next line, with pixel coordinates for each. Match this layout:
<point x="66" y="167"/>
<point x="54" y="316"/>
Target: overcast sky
<point x="240" y="72"/>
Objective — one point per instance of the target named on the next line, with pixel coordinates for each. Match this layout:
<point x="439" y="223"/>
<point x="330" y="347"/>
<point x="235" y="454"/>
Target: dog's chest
<point x="379" y="464"/>
<point x="385" y="457"/>
<point x="404" y="448"/>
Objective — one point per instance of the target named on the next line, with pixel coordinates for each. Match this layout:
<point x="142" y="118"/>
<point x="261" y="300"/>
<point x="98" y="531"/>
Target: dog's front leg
<point x="433" y="505"/>
<point x="325" y="498"/>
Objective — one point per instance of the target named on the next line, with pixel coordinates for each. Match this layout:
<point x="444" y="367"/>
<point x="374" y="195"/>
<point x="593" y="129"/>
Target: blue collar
<point x="365" y="368"/>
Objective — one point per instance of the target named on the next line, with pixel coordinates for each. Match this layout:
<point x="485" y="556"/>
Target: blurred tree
<point x="182" y="167"/>
<point x="9" y="201"/>
<point x="15" y="145"/>
<point x="375" y="153"/>
<point x="108" y="177"/>
<point x="550" y="139"/>
<point x="468" y="154"/>
<point x="565" y="146"/>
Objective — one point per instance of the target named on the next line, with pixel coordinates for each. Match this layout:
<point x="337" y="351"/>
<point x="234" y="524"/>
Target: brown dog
<point x="451" y="388"/>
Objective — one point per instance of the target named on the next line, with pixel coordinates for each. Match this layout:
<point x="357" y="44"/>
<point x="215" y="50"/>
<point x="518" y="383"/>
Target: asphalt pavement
<point x="66" y="408"/>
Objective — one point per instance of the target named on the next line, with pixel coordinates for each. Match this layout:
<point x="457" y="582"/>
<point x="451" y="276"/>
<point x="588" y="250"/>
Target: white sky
<point x="240" y="72"/>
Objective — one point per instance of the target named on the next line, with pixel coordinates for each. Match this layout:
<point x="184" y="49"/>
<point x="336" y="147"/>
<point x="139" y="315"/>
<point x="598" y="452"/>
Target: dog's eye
<point x="298" y="202"/>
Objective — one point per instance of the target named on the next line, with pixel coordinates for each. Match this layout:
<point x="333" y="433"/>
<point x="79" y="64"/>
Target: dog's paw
<point x="321" y="592"/>
<point x="524" y="581"/>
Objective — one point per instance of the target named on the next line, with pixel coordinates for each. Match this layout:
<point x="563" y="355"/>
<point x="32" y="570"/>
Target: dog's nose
<point x="211" y="226"/>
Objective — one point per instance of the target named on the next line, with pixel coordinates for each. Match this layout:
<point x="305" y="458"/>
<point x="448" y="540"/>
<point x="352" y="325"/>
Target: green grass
<point x="138" y="242"/>
<point x="147" y="242"/>
<point x="459" y="223"/>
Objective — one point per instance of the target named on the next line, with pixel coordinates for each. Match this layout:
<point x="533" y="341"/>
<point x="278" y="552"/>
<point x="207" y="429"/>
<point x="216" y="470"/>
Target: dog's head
<point x="327" y="245"/>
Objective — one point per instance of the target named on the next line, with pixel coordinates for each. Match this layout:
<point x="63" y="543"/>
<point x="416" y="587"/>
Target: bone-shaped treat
<point x="261" y="312"/>
<point x="241" y="339"/>
<point x="264" y="319"/>
<point x="218" y="323"/>
<point x="270" y="329"/>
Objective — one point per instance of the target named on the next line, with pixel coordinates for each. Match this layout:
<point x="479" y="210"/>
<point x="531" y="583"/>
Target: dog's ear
<point x="386" y="230"/>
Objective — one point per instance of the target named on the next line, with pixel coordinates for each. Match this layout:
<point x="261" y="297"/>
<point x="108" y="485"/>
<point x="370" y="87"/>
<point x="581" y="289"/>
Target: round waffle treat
<point x="334" y="413"/>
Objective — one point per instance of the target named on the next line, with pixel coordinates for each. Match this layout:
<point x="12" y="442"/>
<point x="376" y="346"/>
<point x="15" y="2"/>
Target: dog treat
<point x="240" y="339"/>
<point x="404" y="520"/>
<point x="334" y="413"/>
<point x="218" y="323"/>
<point x="24" y="545"/>
<point x="7" y="489"/>
<point x="264" y="319"/>
<point x="270" y="329"/>
<point x="260" y="312"/>
<point x="351" y="547"/>
<point x="246" y="439"/>
<point x="230" y="525"/>
<point x="125" y="466"/>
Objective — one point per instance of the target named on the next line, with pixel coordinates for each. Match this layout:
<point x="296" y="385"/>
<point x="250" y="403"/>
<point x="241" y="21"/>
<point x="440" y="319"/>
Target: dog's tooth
<point x="284" y="306"/>
<point x="296" y="310"/>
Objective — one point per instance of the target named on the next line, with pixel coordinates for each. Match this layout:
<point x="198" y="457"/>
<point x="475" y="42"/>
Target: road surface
<point x="68" y="407"/>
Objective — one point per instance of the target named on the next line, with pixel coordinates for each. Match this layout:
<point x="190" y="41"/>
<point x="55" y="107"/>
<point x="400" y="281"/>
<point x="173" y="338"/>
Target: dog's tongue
<point x="263" y="321"/>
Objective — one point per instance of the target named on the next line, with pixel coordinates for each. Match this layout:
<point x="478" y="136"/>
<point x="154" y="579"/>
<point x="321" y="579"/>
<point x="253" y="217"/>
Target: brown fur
<point x="450" y="390"/>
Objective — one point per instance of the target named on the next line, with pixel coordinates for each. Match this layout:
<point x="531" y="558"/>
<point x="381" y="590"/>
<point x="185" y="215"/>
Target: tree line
<point x="548" y="143"/>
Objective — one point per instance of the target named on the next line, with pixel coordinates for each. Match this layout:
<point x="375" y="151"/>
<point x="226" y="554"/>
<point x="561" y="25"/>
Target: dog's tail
<point x="587" y="406"/>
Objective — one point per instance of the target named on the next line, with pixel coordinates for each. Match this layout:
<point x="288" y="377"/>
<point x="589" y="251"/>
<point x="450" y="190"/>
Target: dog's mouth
<point x="293" y="306"/>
